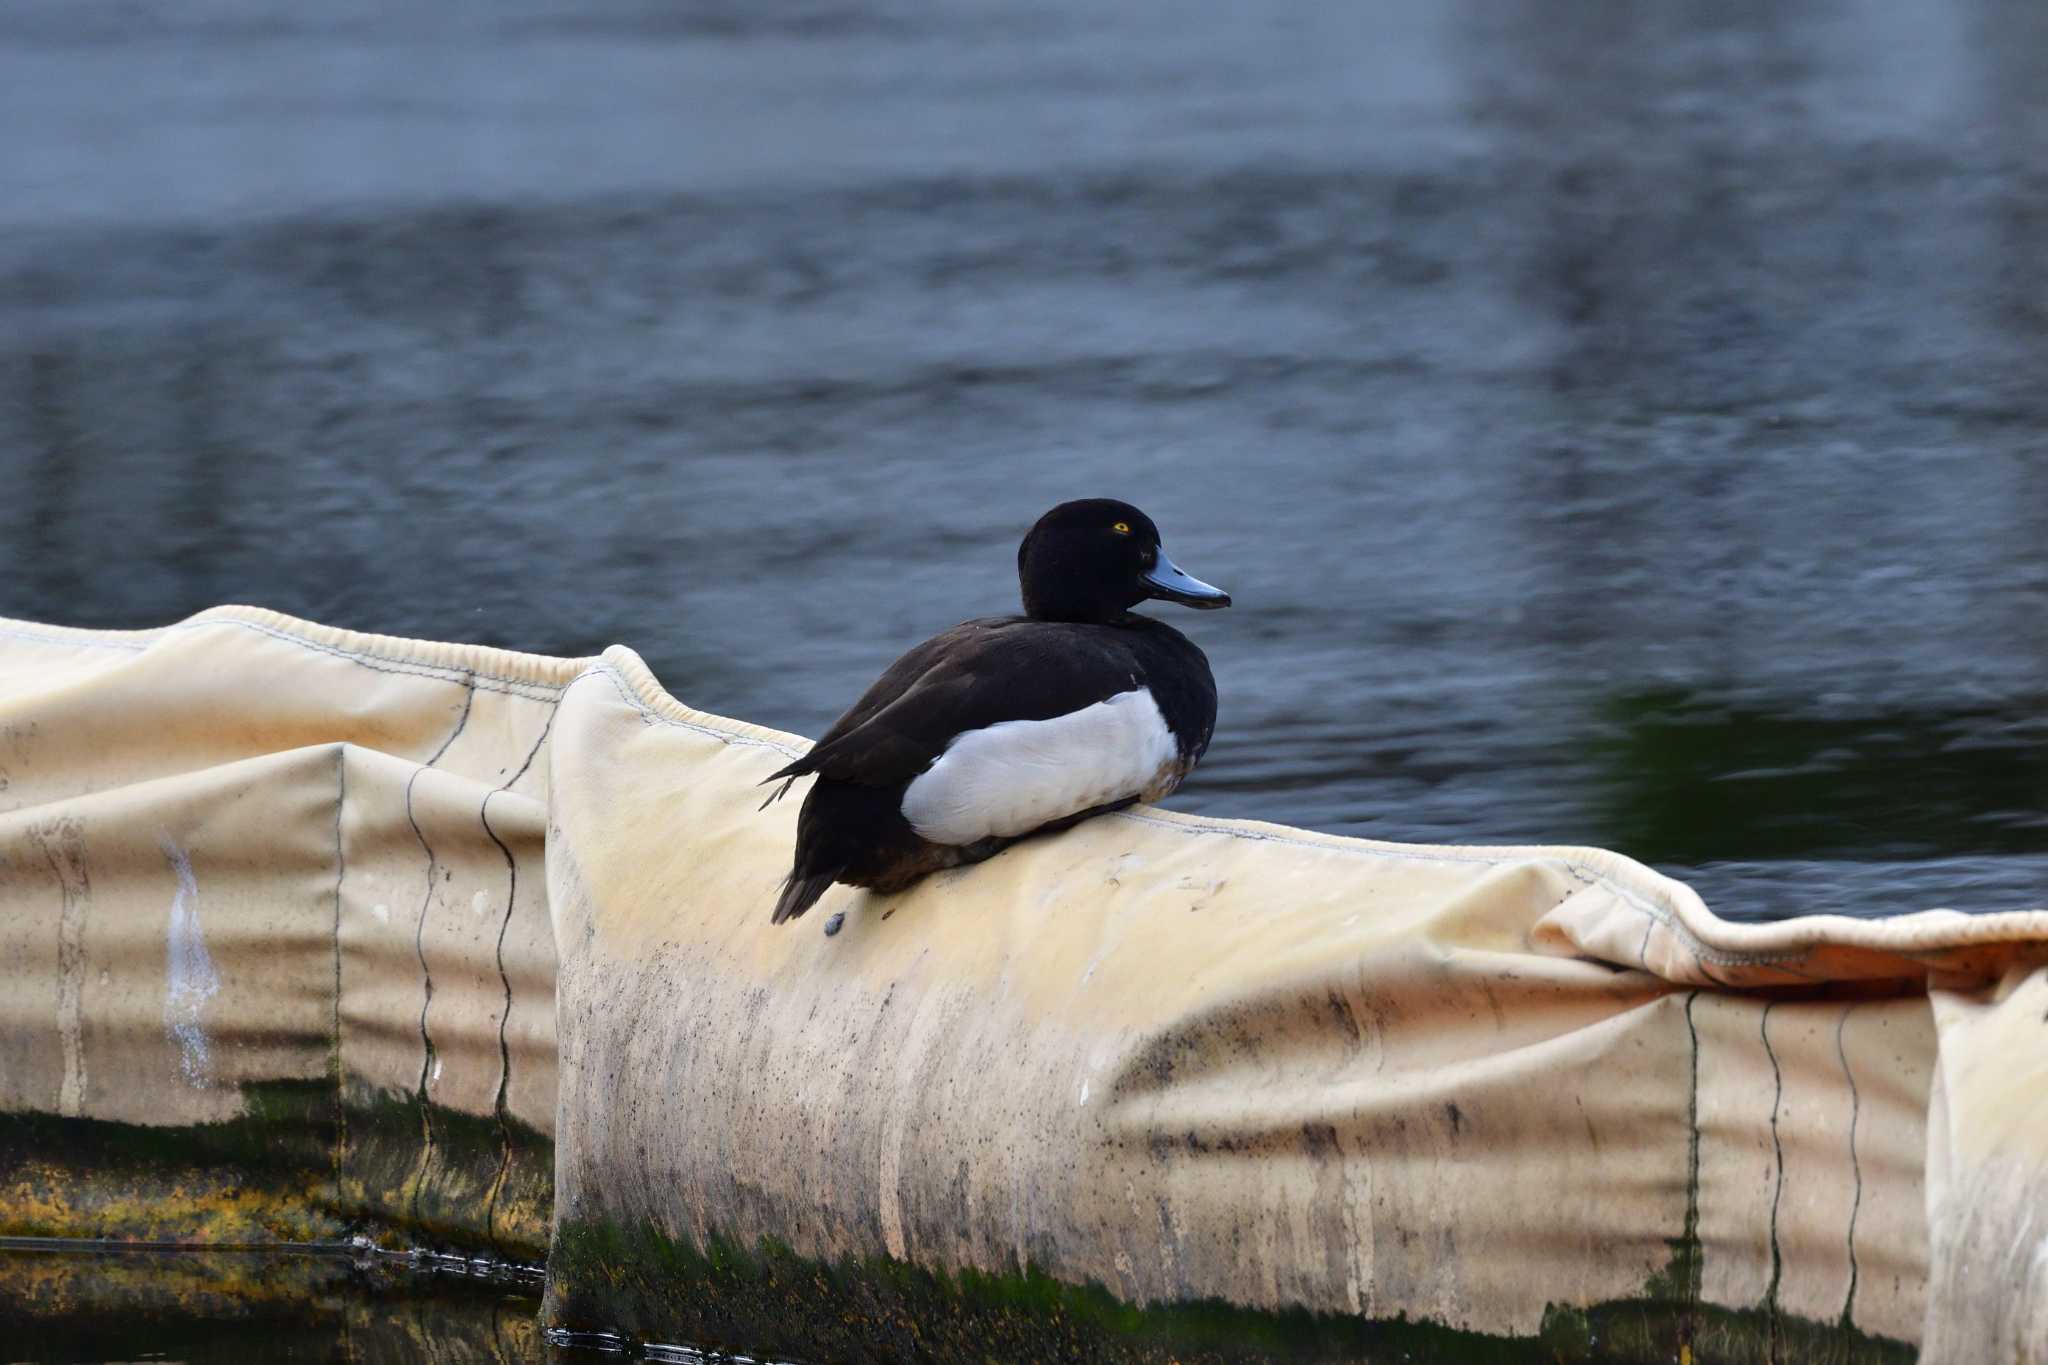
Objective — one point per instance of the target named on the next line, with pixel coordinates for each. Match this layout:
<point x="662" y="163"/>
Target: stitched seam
<point x="86" y="642"/>
<point x="1585" y="874"/>
<point x="392" y="663"/>
<point x="1778" y="1185"/>
<point x="498" y="1108"/>
<point x="1848" y="1318"/>
<point x="1721" y="957"/>
<point x="340" y="1059"/>
<point x="1701" y="951"/>
<point x="650" y="716"/>
<point x="419" y="947"/>
<point x="384" y="663"/>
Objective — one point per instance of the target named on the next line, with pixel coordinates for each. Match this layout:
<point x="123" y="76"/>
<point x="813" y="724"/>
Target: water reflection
<point x="202" y="1307"/>
<point x="1691" y="781"/>
<point x="234" y="1307"/>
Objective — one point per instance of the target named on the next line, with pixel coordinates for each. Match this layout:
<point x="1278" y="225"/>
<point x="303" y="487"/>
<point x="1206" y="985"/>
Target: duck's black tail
<point x="841" y="831"/>
<point x="798" y="895"/>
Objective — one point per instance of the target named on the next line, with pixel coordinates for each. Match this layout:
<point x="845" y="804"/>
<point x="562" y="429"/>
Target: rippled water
<point x="235" y="1308"/>
<point x="1620" y="424"/>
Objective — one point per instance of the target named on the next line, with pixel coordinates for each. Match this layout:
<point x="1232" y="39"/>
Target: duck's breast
<point x="1010" y="778"/>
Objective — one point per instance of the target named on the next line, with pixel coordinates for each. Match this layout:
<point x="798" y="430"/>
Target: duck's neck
<point x="1075" y="608"/>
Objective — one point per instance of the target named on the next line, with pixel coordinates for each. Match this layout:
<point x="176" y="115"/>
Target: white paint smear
<point x="189" y="973"/>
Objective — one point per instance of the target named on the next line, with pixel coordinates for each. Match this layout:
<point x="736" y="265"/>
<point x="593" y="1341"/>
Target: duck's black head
<point x="1095" y="559"/>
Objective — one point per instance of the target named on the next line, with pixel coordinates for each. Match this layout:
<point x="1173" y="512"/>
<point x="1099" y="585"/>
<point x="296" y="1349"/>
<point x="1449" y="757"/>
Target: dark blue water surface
<point x="1623" y="424"/>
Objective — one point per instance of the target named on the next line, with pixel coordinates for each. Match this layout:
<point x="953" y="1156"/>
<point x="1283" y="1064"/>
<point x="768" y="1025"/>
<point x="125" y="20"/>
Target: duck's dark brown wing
<point x="975" y="675"/>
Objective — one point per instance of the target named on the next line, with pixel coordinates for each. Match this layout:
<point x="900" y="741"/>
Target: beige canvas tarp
<point x="308" y="932"/>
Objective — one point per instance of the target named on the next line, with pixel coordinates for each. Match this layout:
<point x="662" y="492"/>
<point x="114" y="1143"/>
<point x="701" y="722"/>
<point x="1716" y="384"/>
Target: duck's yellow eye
<point x="1122" y="528"/>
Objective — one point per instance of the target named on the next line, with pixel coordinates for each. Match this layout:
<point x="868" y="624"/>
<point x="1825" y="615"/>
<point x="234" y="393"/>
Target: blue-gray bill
<point x="1169" y="584"/>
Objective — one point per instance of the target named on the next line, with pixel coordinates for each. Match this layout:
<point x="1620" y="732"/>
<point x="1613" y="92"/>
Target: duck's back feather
<point x="979" y="673"/>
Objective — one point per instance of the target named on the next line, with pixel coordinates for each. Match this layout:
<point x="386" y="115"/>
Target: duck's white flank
<point x="1012" y="777"/>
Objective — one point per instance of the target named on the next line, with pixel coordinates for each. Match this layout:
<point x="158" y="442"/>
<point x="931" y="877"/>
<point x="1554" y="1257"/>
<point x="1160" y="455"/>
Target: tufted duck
<point x="1009" y="726"/>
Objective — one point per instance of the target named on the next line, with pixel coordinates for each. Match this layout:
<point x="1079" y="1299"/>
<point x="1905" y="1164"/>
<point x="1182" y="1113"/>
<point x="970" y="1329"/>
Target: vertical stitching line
<point x="340" y="1064"/>
<point x="419" y="947"/>
<point x="468" y="701"/>
<point x="505" y="1017"/>
<point x="1855" y="1166"/>
<point x="427" y="978"/>
<point x="1778" y="1188"/>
